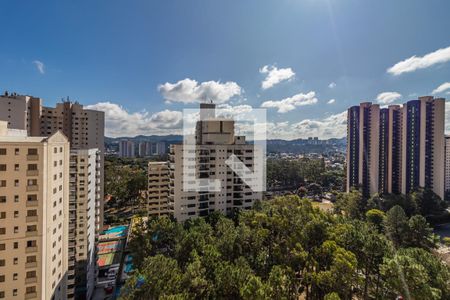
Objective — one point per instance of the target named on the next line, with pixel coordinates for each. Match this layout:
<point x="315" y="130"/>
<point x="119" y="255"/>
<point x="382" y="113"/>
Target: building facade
<point x="84" y="226"/>
<point x="215" y="141"/>
<point x="158" y="189"/>
<point x="447" y="167"/>
<point x="34" y="205"/>
<point x="396" y="149"/>
<point x="126" y="148"/>
<point x="363" y="125"/>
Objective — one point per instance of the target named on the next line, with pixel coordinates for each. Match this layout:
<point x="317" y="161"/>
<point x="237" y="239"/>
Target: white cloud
<point x="331" y="101"/>
<point x="415" y="63"/>
<point x="442" y="88"/>
<point x="119" y="122"/>
<point x="190" y="91"/>
<point x="333" y="126"/>
<point x="332" y="85"/>
<point x="40" y="66"/>
<point x="290" y="103"/>
<point x="275" y="76"/>
<point x="388" y="97"/>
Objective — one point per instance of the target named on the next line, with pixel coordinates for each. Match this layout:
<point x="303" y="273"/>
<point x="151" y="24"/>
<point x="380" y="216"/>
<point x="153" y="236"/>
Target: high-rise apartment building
<point x="424" y="145"/>
<point x="34" y="205"/>
<point x="126" y="148"/>
<point x="84" y="129"/>
<point x="84" y="225"/>
<point x="158" y="189"/>
<point x="215" y="141"/>
<point x="447" y="168"/>
<point x="363" y="123"/>
<point x="390" y="150"/>
<point x="396" y="149"/>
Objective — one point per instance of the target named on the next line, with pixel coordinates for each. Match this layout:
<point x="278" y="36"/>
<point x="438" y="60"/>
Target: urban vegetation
<point x="285" y="248"/>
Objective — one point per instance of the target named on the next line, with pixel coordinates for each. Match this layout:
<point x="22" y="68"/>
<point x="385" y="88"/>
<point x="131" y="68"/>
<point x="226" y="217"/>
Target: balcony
<point x="30" y="295"/>
<point x="32" y="157"/>
<point x="31" y="233"/>
<point x="31" y="218"/>
<point x="32" y="172"/>
<point x="30" y="249"/>
<point x="31" y="280"/>
<point x="32" y="203"/>
<point x="31" y="265"/>
<point x="32" y="188"/>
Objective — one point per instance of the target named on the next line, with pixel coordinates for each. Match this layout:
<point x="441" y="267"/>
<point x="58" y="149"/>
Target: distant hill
<point x="274" y="146"/>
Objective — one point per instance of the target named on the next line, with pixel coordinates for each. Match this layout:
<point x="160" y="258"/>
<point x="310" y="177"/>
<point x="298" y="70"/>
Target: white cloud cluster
<point x="331" y="101"/>
<point x="333" y="126"/>
<point x="39" y="66"/>
<point x="332" y="85"/>
<point x="275" y="76"/>
<point x="190" y="91"/>
<point x="415" y="63"/>
<point x="119" y="122"/>
<point x="442" y="88"/>
<point x="290" y="103"/>
<point x="388" y="97"/>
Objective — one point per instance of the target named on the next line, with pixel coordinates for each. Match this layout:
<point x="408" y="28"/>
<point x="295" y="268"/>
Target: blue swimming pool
<point x="119" y="230"/>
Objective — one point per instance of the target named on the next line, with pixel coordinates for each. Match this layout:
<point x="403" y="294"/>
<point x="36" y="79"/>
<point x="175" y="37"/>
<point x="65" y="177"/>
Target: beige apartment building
<point x="34" y="207"/>
<point x="215" y="141"/>
<point x="158" y="189"/>
<point x="83" y="127"/>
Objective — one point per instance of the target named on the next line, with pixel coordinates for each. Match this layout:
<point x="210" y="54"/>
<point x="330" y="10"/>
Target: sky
<point x="305" y="61"/>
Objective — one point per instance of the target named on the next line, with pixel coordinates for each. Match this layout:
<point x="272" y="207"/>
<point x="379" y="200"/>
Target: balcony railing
<point x="32" y="157"/>
<point x="32" y="172"/>
<point x="31" y="188"/>
<point x="31" y="218"/>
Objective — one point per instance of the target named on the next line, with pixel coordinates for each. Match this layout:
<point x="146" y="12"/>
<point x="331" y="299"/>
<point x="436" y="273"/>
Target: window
<point x="2" y="167"/>
<point x="2" y="230"/>
<point x="31" y="243"/>
<point x="2" y="262"/>
<point x="2" y="183"/>
<point x="2" y="294"/>
<point x="16" y="198"/>
<point x="16" y="151"/>
<point x="32" y="151"/>
<point x="31" y="274"/>
<point x="31" y="289"/>
<point x="16" y="260"/>
<point x="14" y="292"/>
<point x="2" y="215"/>
<point x="16" y="245"/>
<point x="2" y="247"/>
<point x="15" y="276"/>
<point x="32" y="167"/>
<point x="16" y="214"/>
<point x="16" y="229"/>
<point x="2" y="199"/>
<point x="16" y="167"/>
<point x="31" y="259"/>
<point x="2" y="278"/>
<point x="31" y="213"/>
<point x="2" y="151"/>
<point x="16" y="182"/>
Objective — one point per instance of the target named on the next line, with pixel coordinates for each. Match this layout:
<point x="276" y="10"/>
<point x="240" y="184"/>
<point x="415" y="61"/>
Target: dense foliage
<point x="283" y="249"/>
<point x="286" y="173"/>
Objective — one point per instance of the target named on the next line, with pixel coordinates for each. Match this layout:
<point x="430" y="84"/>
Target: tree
<point x="160" y="276"/>
<point x="415" y="274"/>
<point x="420" y="234"/>
<point x="396" y="225"/>
<point x="375" y="217"/>
<point x="352" y="204"/>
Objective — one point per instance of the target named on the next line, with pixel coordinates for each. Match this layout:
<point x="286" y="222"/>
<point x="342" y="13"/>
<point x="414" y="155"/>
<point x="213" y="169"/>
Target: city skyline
<point x="179" y="53"/>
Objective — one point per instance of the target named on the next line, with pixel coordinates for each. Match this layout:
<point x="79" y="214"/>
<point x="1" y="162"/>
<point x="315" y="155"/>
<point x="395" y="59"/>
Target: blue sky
<point x="144" y="61"/>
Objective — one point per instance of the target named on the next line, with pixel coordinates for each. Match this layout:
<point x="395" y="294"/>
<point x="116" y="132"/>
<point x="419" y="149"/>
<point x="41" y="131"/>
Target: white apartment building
<point x="34" y="208"/>
<point x="215" y="141"/>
